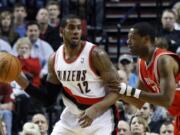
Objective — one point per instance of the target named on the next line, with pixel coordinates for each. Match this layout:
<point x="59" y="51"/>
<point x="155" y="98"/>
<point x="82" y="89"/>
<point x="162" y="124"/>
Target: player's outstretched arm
<point x="108" y="73"/>
<point x="48" y="94"/>
<point x="168" y="68"/>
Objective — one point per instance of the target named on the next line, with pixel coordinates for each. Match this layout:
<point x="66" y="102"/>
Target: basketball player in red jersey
<point x="159" y="73"/>
<point x="90" y="84"/>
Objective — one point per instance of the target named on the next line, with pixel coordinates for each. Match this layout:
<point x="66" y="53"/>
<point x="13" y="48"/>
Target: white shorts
<point x="68" y="125"/>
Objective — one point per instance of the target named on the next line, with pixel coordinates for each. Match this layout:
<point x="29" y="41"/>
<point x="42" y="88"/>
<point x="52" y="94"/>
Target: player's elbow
<point x="167" y="102"/>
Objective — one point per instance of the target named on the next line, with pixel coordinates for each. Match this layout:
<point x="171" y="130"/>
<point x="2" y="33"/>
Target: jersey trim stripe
<point x="73" y="100"/>
<point x="74" y="59"/>
<point x="86" y="101"/>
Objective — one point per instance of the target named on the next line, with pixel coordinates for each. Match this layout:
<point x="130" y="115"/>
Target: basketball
<point x="10" y="67"/>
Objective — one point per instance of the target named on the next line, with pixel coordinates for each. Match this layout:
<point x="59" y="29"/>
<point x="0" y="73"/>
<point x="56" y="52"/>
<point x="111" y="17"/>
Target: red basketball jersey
<point x="149" y="76"/>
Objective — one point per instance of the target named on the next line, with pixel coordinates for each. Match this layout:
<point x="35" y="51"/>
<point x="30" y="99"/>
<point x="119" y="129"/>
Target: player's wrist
<point x="91" y="113"/>
<point x="127" y="90"/>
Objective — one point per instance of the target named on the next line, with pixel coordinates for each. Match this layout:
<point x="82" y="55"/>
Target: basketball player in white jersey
<point x="90" y="85"/>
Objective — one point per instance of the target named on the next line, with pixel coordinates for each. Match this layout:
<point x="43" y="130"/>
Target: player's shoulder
<point x="166" y="59"/>
<point x="167" y="63"/>
<point x="97" y="51"/>
<point x="52" y="58"/>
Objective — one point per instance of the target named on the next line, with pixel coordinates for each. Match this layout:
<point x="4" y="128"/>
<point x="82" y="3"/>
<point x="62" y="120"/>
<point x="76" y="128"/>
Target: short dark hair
<point x="169" y="11"/>
<point x="167" y="122"/>
<point x="145" y="29"/>
<point x="18" y="5"/>
<point x="52" y="2"/>
<point x="29" y="23"/>
<point x="63" y="22"/>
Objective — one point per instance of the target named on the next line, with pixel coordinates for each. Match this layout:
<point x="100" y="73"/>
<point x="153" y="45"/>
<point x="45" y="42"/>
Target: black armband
<point x="46" y="95"/>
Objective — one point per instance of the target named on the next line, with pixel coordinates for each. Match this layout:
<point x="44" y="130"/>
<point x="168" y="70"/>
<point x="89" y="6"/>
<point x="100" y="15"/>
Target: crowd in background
<point x="30" y="30"/>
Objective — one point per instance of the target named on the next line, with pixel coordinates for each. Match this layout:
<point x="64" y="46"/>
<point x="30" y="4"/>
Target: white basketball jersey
<point x="82" y="87"/>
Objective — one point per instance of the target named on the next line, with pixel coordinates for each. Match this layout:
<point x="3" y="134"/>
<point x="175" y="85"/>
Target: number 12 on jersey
<point x="84" y="87"/>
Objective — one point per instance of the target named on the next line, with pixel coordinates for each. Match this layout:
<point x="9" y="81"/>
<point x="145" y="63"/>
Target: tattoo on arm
<point x="105" y="68"/>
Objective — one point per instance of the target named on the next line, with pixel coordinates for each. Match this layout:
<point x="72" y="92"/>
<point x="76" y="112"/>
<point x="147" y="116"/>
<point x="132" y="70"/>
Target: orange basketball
<point x="10" y="67"/>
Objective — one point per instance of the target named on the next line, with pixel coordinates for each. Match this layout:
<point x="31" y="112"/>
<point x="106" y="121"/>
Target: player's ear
<point x="146" y="38"/>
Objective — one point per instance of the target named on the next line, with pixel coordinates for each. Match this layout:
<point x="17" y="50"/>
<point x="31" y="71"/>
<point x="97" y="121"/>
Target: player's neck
<point x="70" y="53"/>
<point x="150" y="55"/>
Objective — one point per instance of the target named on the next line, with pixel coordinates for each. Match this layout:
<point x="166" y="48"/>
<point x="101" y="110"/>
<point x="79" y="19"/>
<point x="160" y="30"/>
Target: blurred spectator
<point x="178" y="51"/>
<point x="19" y="15"/>
<point x="146" y="112"/>
<point x="98" y="7"/>
<point x="30" y="66"/>
<point x="73" y="6"/>
<point x="176" y="9"/>
<point x="40" y="48"/>
<point x="167" y="128"/>
<point x="161" y="42"/>
<point x="139" y="126"/>
<point x="120" y="104"/>
<point x="48" y="33"/>
<point x="6" y="106"/>
<point x="3" y="130"/>
<point x="126" y="110"/>
<point x="78" y="7"/>
<point x="123" y="128"/>
<point x="168" y="31"/>
<point x="6" y="31"/>
<point x="130" y="110"/>
<point x="42" y="122"/>
<point x="154" y="116"/>
<point x="5" y="46"/>
<point x="123" y="76"/>
<point x="30" y="128"/>
<point x="90" y="11"/>
<point x="53" y="8"/>
<point x="126" y="63"/>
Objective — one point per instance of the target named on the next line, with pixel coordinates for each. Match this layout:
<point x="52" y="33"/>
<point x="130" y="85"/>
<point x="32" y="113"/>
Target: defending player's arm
<point x="48" y="94"/>
<point x="132" y="100"/>
<point x="109" y="75"/>
<point x="168" y="68"/>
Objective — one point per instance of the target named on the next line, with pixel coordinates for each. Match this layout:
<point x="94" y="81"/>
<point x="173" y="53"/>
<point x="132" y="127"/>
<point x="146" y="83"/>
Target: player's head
<point x="71" y="30"/>
<point x="140" y="37"/>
